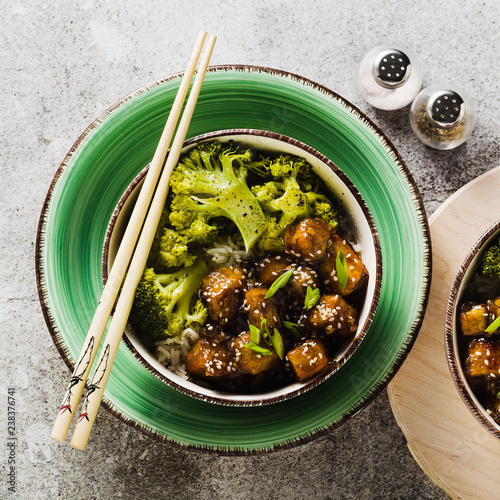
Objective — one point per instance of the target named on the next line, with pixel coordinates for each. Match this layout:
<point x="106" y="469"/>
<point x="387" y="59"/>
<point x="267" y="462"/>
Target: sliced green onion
<point x="254" y="334"/>
<point x="266" y="334"/>
<point x="341" y="266"/>
<point x="258" y="349"/>
<point x="278" y="345"/>
<point x="498" y="395"/>
<point x="279" y="283"/>
<point x="312" y="297"/>
<point x="493" y="325"/>
<point x="294" y="328"/>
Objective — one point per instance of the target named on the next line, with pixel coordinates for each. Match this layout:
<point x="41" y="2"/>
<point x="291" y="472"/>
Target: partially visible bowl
<point x="364" y="234"/>
<point x="468" y="285"/>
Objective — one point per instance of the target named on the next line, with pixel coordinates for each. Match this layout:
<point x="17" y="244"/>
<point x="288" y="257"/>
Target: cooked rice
<point x="172" y="352"/>
<point x="227" y="251"/>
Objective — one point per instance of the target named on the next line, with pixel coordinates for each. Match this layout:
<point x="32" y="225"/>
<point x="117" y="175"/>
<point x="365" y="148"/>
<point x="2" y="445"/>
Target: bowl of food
<point x="473" y="330"/>
<point x="264" y="275"/>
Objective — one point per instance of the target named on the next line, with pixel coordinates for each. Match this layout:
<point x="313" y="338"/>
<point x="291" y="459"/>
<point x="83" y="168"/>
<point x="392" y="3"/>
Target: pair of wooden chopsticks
<point x="146" y="215"/>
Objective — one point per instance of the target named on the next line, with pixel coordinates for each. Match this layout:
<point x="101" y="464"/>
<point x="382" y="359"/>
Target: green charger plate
<point x="111" y="152"/>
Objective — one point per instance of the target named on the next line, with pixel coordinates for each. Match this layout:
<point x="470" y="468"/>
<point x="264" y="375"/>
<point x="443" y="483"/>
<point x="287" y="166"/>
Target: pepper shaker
<point x="442" y="116"/>
<point x="389" y="78"/>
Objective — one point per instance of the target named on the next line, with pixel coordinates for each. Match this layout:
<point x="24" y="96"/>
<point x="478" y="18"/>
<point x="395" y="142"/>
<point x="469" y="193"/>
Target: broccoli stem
<point x="241" y="206"/>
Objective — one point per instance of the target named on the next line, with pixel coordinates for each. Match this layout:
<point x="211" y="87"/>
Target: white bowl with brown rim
<point x="364" y="234"/>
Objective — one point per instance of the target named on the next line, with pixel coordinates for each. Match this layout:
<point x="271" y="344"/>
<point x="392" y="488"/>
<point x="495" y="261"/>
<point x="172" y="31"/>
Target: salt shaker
<point x="389" y="78"/>
<point x="442" y="116"/>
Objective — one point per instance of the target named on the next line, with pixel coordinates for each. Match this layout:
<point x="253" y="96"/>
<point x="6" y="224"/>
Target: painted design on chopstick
<point x="95" y="385"/>
<point x="77" y="376"/>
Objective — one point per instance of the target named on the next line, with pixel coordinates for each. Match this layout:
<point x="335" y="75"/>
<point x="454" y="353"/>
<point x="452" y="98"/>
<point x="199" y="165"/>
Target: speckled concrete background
<point x="61" y="65"/>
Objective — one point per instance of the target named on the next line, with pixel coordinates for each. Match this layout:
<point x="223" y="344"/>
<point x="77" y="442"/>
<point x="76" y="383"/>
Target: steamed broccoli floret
<point x="321" y="207"/>
<point x="210" y="181"/>
<point x="175" y="248"/>
<point x="165" y="304"/>
<point x="490" y="263"/>
<point x="291" y="194"/>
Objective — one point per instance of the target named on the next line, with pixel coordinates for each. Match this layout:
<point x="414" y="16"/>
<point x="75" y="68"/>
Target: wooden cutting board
<point x="448" y="443"/>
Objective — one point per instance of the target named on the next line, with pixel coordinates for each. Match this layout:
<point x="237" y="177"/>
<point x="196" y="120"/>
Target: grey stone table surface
<point x="61" y="65"/>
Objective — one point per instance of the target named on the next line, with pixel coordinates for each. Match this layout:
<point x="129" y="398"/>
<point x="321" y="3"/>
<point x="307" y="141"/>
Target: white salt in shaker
<point x="389" y="78"/>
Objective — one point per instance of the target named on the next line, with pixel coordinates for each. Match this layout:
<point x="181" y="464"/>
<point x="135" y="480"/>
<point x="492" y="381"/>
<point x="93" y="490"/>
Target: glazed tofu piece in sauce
<point x="308" y="359"/>
<point x="270" y="268"/>
<point x="483" y="359"/>
<point x="473" y="318"/>
<point x="248" y="361"/>
<point x="333" y="315"/>
<point x="476" y="318"/>
<point x="356" y="270"/>
<point x="307" y="239"/>
<point x="260" y="308"/>
<point x="209" y="358"/>
<point x="302" y="277"/>
<point x="223" y="291"/>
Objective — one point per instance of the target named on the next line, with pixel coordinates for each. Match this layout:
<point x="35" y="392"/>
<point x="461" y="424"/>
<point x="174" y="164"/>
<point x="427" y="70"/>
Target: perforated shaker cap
<point x="391" y="68"/>
<point x="445" y="108"/>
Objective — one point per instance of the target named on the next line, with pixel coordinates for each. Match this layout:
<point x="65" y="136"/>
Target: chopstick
<point x="125" y="253"/>
<point x="124" y="304"/>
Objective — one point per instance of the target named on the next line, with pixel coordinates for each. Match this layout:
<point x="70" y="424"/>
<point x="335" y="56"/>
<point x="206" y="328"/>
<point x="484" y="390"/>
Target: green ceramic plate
<point x="122" y="141"/>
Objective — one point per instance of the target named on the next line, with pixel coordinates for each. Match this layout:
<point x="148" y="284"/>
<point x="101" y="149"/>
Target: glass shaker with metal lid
<point x="389" y="78"/>
<point x="442" y="116"/>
